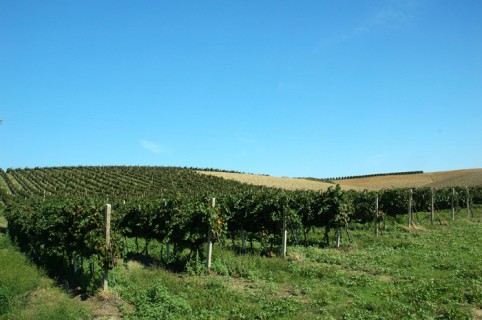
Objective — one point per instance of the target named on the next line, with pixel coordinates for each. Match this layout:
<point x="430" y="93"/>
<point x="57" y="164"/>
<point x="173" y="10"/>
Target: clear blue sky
<point x="287" y="88"/>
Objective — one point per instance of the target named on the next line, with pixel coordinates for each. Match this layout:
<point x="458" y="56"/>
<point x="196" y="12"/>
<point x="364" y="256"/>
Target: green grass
<point x="26" y="293"/>
<point x="431" y="274"/>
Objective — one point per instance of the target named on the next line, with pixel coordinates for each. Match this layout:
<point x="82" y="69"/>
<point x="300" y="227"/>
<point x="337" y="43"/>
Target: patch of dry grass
<point x="440" y="179"/>
<point x="274" y="182"/>
<point x="470" y="177"/>
<point x="387" y="182"/>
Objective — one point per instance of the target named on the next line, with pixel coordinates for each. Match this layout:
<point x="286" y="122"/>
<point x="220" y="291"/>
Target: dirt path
<point x="104" y="306"/>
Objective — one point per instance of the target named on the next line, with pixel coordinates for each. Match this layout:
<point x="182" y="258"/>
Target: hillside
<point x="126" y="181"/>
<point x="273" y="182"/>
<point x="428" y="270"/>
<point x="111" y="182"/>
<point x="469" y="177"/>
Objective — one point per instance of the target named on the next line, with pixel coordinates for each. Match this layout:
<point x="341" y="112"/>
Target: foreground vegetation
<point x="427" y="273"/>
<point x="432" y="273"/>
<point x="162" y="217"/>
<point x="26" y="293"/>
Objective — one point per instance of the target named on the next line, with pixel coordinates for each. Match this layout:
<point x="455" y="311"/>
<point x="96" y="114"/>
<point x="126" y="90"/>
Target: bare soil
<point x="104" y="306"/>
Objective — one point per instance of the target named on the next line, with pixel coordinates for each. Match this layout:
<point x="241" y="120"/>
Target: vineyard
<point x="57" y="217"/>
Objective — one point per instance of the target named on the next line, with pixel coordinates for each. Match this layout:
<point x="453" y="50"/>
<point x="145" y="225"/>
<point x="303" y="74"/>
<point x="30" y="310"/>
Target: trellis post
<point x="468" y="203"/>
<point x="376" y="215"/>
<point x="338" y="237"/>
<point x="209" y="249"/>
<point x="107" y="213"/>
<point x="452" y="212"/>
<point x="284" y="236"/>
<point x="243" y="240"/>
<point x="432" y="209"/>
<point x="409" y="215"/>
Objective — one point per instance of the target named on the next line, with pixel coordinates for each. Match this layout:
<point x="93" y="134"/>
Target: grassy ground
<point x="434" y="273"/>
<point x="26" y="293"/>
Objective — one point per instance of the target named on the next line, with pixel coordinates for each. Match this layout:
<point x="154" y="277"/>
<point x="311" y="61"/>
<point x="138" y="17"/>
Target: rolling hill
<point x="468" y="177"/>
<point x="128" y="181"/>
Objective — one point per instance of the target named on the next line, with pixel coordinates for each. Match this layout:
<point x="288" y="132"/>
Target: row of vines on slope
<point x="111" y="182"/>
<point x="57" y="230"/>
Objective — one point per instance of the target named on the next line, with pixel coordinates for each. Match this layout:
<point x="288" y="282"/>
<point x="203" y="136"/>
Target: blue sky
<point x="287" y="88"/>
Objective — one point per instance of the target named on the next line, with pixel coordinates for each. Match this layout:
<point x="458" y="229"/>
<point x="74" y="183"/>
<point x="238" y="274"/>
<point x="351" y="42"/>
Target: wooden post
<point x="338" y="237"/>
<point x="284" y="237"/>
<point x="297" y="236"/>
<point x="468" y="203"/>
<point x="376" y="216"/>
<point x="209" y="249"/>
<point x="105" y="280"/>
<point x="452" y="212"/>
<point x="432" y="209"/>
<point x="243" y="240"/>
<point x="409" y="216"/>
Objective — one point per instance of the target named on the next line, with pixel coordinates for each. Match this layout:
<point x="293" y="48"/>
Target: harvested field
<point x="440" y="179"/>
<point x="457" y="178"/>
<point x="274" y="182"/>
<point x="469" y="177"/>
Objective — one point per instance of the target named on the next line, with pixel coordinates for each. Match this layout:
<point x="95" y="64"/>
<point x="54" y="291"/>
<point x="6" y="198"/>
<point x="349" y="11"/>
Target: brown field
<point x="469" y="177"/>
<point x="270" y="181"/>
